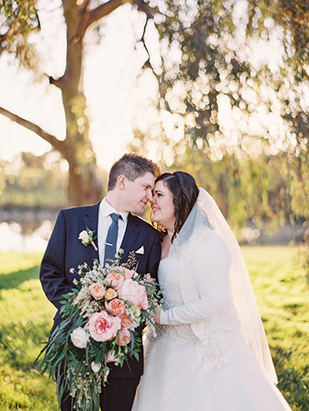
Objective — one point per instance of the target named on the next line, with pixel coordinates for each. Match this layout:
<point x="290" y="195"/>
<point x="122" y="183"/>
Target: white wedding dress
<point x="183" y="374"/>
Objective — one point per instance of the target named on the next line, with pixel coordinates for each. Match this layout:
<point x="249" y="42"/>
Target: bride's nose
<point x="153" y="200"/>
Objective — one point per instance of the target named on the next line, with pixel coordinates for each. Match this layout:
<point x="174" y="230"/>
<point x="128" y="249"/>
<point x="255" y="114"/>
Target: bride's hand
<point x="156" y="316"/>
<point x="109" y="357"/>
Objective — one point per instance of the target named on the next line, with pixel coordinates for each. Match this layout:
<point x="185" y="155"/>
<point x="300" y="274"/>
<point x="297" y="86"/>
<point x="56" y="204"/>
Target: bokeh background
<point x="216" y="88"/>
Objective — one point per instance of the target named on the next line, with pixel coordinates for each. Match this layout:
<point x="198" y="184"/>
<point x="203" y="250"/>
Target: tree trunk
<point x="84" y="185"/>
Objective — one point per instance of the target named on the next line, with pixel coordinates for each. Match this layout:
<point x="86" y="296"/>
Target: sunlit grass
<point x="282" y="293"/>
<point x="26" y="318"/>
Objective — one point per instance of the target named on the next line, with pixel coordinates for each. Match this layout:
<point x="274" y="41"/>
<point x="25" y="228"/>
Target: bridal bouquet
<point x="99" y="321"/>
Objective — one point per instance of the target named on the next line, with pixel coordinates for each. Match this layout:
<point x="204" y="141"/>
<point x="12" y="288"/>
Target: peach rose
<point x="125" y="321"/>
<point x="132" y="292"/>
<point x="137" y="310"/>
<point x="123" y="337"/>
<point x="115" y="280"/>
<point x="102" y="326"/>
<point x="116" y="307"/>
<point x="110" y="294"/>
<point x="97" y="291"/>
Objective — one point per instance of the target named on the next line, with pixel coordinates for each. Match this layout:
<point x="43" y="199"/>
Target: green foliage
<point x="31" y="181"/>
<point x="214" y="42"/>
<point x="292" y="16"/>
<point x="269" y="190"/>
<point x="280" y="288"/>
<point x="206" y="66"/>
<point x="18" y="20"/>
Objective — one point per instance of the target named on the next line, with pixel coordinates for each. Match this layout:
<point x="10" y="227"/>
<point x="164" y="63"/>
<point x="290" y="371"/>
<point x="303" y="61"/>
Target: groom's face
<point x="139" y="192"/>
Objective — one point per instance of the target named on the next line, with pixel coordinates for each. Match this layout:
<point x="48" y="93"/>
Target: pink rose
<point x="97" y="291"/>
<point x="115" y="280"/>
<point x="123" y="337"/>
<point x="125" y="321"/>
<point x="144" y="302"/>
<point x="116" y="307"/>
<point x="102" y="326"/>
<point x="132" y="292"/>
<point x="128" y="274"/>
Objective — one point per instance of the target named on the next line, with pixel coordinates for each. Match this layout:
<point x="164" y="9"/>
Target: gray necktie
<point x="111" y="239"/>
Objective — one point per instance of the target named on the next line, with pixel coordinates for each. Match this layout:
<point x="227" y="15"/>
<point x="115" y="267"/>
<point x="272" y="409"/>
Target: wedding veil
<point x="206" y="213"/>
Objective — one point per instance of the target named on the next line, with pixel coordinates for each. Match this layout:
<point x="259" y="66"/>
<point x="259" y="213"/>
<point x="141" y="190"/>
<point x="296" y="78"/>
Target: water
<point x="25" y="230"/>
<point x="28" y="230"/>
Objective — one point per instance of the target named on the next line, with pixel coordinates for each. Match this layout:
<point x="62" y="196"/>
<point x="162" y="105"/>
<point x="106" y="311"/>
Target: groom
<point x="131" y="180"/>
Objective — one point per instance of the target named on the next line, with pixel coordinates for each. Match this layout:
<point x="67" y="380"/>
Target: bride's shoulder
<point x="207" y="240"/>
<point x="205" y="234"/>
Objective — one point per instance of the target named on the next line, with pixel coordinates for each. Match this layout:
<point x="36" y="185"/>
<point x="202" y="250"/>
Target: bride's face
<point x="163" y="210"/>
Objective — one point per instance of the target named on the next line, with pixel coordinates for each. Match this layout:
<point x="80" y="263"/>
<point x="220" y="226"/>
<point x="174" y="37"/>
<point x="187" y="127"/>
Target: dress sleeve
<point x="209" y="265"/>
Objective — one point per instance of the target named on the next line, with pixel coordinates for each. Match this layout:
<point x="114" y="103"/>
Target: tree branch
<point x="57" y="144"/>
<point x="4" y="36"/>
<point x="145" y="8"/>
<point x="103" y="10"/>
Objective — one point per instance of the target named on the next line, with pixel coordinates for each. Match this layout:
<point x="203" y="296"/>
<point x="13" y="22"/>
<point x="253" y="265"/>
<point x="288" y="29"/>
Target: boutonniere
<point x="87" y="237"/>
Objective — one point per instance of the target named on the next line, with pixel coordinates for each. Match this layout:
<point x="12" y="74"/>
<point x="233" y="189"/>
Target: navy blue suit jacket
<point x="65" y="251"/>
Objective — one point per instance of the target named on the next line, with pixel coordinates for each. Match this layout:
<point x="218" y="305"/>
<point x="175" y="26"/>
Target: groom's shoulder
<point x="143" y="224"/>
<point x="73" y="211"/>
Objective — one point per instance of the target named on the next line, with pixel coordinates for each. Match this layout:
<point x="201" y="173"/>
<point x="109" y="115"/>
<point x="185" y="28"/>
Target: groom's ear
<point x="121" y="182"/>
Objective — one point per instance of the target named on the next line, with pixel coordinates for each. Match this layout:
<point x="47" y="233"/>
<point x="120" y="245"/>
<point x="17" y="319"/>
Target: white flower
<point x="87" y="237"/>
<point x="79" y="337"/>
<point x="83" y="235"/>
<point x="95" y="367"/>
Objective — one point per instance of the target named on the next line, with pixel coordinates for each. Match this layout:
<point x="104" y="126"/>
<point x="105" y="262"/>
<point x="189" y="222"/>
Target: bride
<point x="210" y="352"/>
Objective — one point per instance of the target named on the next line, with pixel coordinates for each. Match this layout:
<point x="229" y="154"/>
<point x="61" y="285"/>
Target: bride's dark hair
<point x="185" y="192"/>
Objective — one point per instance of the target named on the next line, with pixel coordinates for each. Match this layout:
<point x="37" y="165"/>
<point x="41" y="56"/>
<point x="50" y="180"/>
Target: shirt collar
<point x="106" y="209"/>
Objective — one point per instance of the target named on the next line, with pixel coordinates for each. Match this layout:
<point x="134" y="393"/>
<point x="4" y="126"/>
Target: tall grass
<point x="26" y="317"/>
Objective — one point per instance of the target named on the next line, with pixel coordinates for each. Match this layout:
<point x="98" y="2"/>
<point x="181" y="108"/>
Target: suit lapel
<point x="130" y="236"/>
<point x="91" y="221"/>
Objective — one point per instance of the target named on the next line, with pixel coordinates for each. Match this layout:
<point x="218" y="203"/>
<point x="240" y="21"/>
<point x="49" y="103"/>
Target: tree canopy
<point x="206" y="55"/>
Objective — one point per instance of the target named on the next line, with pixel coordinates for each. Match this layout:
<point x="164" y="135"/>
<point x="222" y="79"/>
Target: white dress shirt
<point x="105" y="221"/>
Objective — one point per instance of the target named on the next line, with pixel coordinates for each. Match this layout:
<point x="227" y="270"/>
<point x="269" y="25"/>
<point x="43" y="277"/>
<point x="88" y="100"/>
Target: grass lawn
<point x="26" y="318"/>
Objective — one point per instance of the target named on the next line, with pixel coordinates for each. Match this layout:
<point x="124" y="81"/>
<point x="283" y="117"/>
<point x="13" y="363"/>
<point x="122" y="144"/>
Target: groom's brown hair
<point x="131" y="166"/>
